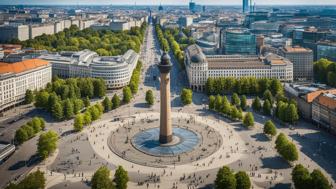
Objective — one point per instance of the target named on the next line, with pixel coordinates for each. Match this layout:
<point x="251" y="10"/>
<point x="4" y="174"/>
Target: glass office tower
<point x="239" y="41"/>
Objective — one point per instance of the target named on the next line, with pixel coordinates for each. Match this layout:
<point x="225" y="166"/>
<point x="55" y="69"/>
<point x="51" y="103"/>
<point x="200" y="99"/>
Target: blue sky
<point x="183" y="2"/>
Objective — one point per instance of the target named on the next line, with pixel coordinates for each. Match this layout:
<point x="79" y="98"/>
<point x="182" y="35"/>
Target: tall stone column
<point x="166" y="131"/>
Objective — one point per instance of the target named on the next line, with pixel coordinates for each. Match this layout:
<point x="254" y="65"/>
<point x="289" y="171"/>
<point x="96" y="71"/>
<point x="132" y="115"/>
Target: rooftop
<point x="295" y="49"/>
<point x="19" y="67"/>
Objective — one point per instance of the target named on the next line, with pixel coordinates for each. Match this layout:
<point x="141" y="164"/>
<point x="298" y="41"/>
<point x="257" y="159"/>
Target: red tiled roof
<point x="23" y="66"/>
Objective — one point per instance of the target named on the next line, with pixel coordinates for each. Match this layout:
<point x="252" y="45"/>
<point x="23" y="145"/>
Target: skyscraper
<point x="192" y="6"/>
<point x="245" y="6"/>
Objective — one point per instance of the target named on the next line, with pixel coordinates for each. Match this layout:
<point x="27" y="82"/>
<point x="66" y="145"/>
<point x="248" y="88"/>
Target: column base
<point x="164" y="139"/>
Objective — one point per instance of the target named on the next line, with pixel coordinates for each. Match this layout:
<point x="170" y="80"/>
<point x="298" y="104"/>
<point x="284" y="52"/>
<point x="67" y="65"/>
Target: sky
<point x="170" y="2"/>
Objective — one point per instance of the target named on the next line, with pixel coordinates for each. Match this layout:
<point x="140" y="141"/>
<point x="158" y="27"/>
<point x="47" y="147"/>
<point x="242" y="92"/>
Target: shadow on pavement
<point x="260" y="137"/>
<point x="17" y="165"/>
<point x="275" y="162"/>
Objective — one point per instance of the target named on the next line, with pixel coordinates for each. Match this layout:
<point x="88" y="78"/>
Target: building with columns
<point x="16" y="78"/>
<point x="200" y="67"/>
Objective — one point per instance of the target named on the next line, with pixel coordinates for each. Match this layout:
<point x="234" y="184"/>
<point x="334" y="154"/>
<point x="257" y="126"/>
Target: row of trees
<point x="65" y="98"/>
<point x="186" y="96"/>
<point x="172" y="35"/>
<point x="33" y="180"/>
<point x="246" y="85"/>
<point x="47" y="144"/>
<point x="222" y="105"/>
<point x="101" y="179"/>
<point x="29" y="130"/>
<point x="286" y="148"/>
<point x="104" y="42"/>
<point x="287" y="112"/>
<point x="302" y="179"/>
<point x="325" y="72"/>
<point x="162" y="40"/>
<point x="91" y="114"/>
<point x="227" y="179"/>
<point x="135" y="78"/>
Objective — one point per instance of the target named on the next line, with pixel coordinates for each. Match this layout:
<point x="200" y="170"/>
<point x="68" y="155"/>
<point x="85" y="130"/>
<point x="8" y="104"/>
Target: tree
<point x="235" y="100"/>
<point x="292" y="114"/>
<point x="78" y="105"/>
<point x="47" y="143"/>
<point x="99" y="88"/>
<point x="243" y="103"/>
<point x="101" y="179"/>
<point x="267" y="107"/>
<point x="107" y="103"/>
<point x="57" y="111"/>
<point x="86" y="101"/>
<point x="301" y="177"/>
<point x="94" y="112"/>
<point x="225" y="179"/>
<point x="41" y="99"/>
<point x="269" y="128"/>
<point x="248" y="120"/>
<point x="87" y="119"/>
<point x="150" y="97"/>
<point x="281" y="141"/>
<point x="268" y="96"/>
<point x="121" y="178"/>
<point x="68" y="109"/>
<point x="319" y="181"/>
<point x="78" y="123"/>
<point x="36" y="124"/>
<point x="234" y="114"/>
<point x="289" y="152"/>
<point x="243" y="180"/>
<point x="186" y="96"/>
<point x="226" y="106"/>
<point x="212" y="102"/>
<point x="29" y="97"/>
<point x="34" y="180"/>
<point x="115" y="101"/>
<point x="127" y="94"/>
<point x="218" y="103"/>
<point x="256" y="105"/>
<point x="21" y="136"/>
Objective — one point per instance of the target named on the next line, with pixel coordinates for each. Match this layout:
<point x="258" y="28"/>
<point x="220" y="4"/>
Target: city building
<point x="239" y="41"/>
<point x="10" y="32"/>
<point x="185" y="21"/>
<point x="304" y="94"/>
<point x="245" y="6"/>
<point x="302" y="59"/>
<point x="115" y="70"/>
<point x="200" y="67"/>
<point x="324" y="111"/>
<point x="326" y="49"/>
<point x="17" y="77"/>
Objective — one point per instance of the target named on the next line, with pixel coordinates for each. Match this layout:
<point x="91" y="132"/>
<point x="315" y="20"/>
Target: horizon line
<point x="85" y="4"/>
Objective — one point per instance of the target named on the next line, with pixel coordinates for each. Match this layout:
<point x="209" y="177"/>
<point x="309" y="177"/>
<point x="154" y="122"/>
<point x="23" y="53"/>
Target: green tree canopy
<point x="225" y="179"/>
<point x="127" y="94"/>
<point x="243" y="180"/>
<point x="212" y="102"/>
<point x="243" y="102"/>
<point x="101" y="179"/>
<point x="186" y="96"/>
<point x="256" y="104"/>
<point x="149" y="97"/>
<point x="121" y="178"/>
<point x="107" y="103"/>
<point x="269" y="128"/>
<point x="115" y="101"/>
<point x="29" y="97"/>
<point x="267" y="107"/>
<point x="248" y="120"/>
<point x="47" y="143"/>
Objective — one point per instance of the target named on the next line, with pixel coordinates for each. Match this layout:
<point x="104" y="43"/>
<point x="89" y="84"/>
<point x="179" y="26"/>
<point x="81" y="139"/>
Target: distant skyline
<point x="165" y="2"/>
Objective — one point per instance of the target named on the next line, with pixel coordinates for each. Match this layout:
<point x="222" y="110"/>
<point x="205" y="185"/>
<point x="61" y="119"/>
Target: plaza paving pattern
<point x="121" y="141"/>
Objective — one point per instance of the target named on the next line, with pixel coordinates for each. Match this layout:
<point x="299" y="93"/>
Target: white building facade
<point x="17" y="78"/>
<point x="200" y="67"/>
<point x="115" y="70"/>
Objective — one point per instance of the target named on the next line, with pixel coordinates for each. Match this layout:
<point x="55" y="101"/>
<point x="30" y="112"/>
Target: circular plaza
<point x="137" y="140"/>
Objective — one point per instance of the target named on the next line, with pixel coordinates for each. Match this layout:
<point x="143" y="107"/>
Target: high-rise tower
<point x="166" y="130"/>
<point x="245" y="6"/>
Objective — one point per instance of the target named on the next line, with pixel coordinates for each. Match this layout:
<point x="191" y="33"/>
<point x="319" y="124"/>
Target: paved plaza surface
<point x="80" y="154"/>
